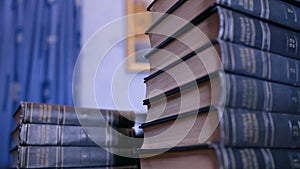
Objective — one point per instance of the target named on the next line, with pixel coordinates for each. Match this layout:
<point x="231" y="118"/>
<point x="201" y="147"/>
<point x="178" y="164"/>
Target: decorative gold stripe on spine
<point x="271" y="158"/>
<point x="107" y="158"/>
<point x="266" y="123"/>
<point x="28" y="156"/>
<point x="267" y="8"/>
<point x="62" y="156"/>
<point x="224" y="47"/>
<point x="232" y="159"/>
<point x="226" y="126"/>
<point x="228" y="86"/>
<point x="56" y="159"/>
<point x="269" y="37"/>
<point x="226" y="24"/>
<point x="22" y="160"/>
<point x="64" y="116"/>
<point x="231" y="27"/>
<point x="62" y="135"/>
<point x="265" y="65"/>
<point x="233" y="123"/>
<point x="272" y="129"/>
<point x="232" y="57"/>
<point x="234" y="90"/>
<point x="269" y="65"/>
<point x="263" y="35"/>
<point x="25" y="112"/>
<point x="31" y="112"/>
<point x="56" y="134"/>
<point x="106" y="131"/>
<point x="262" y="9"/>
<point x="270" y="96"/>
<point x="225" y="158"/>
<point x="58" y="114"/>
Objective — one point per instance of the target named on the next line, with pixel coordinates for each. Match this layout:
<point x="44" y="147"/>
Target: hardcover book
<point x="30" y="112"/>
<point x="214" y="157"/>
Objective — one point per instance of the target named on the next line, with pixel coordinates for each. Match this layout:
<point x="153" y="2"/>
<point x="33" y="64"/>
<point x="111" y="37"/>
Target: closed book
<point x="59" y="135"/>
<point x="59" y="156"/>
<point x="214" y="157"/>
<point x="225" y="126"/>
<point x="230" y="57"/>
<point x="225" y="89"/>
<point x="222" y="23"/>
<point x="277" y="12"/>
<point x="30" y="112"/>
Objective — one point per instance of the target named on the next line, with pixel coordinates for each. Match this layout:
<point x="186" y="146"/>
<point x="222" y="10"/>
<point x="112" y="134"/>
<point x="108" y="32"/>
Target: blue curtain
<point x="40" y="40"/>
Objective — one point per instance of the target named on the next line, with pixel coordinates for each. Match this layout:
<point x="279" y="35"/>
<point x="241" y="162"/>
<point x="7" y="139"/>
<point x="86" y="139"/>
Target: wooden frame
<point x="137" y="43"/>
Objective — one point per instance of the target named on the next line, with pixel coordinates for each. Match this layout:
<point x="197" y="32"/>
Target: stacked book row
<point x="224" y="85"/>
<point x="58" y="136"/>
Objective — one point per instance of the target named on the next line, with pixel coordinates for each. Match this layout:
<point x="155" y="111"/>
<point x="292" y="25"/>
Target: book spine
<point x="245" y="30"/>
<point x="61" y="115"/>
<point x="276" y="11"/>
<point x="258" y="158"/>
<point x="255" y="94"/>
<point x="58" y="157"/>
<point x="36" y="134"/>
<point x="261" y="64"/>
<point x="247" y="128"/>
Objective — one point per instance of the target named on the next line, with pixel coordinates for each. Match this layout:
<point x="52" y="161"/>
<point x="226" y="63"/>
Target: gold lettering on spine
<point x="38" y="157"/>
<point x="264" y="64"/>
<point x="246" y="4"/>
<point x="45" y="113"/>
<point x="250" y="128"/>
<point x="41" y="110"/>
<point x="47" y="157"/>
<point x="49" y="113"/>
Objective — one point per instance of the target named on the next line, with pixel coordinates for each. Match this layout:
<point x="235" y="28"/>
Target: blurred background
<point x="40" y="42"/>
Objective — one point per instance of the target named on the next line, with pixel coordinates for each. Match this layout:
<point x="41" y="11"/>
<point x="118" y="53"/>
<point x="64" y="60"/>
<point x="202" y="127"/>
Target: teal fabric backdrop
<point x="40" y="40"/>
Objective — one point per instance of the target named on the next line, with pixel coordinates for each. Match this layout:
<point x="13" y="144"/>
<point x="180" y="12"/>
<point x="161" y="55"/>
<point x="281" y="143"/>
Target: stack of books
<point x="58" y="136"/>
<point x="224" y="85"/>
